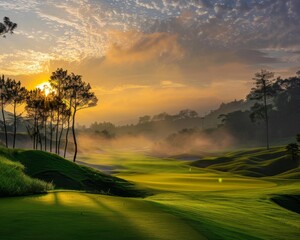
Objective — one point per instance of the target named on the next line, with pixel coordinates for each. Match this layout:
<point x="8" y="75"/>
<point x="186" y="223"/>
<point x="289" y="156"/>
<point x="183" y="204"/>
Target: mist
<point x="187" y="141"/>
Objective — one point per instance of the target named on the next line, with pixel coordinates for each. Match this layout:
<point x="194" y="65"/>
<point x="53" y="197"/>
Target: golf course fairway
<point x="75" y="215"/>
<point x="186" y="203"/>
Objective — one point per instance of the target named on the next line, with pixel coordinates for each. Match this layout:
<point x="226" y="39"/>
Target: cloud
<point x="28" y="62"/>
<point x="152" y="48"/>
<point x="206" y="3"/>
<point x="134" y="47"/>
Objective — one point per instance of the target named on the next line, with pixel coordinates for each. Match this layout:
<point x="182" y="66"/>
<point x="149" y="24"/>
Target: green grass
<point x="14" y="182"/>
<point x="254" y="163"/>
<point x="76" y="216"/>
<point x="238" y="207"/>
<point x="189" y="203"/>
<point x="67" y="175"/>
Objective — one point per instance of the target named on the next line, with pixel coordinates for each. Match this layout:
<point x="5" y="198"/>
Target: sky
<point x="146" y="57"/>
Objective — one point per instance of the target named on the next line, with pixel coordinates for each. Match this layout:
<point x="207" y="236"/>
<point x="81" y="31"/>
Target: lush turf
<point x="67" y="175"/>
<point x="218" y="204"/>
<point x="14" y="182"/>
<point x="254" y="163"/>
<point x="77" y="216"/>
<point x="189" y="203"/>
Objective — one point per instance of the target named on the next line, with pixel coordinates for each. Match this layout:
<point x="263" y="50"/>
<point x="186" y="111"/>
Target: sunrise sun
<point x="45" y="87"/>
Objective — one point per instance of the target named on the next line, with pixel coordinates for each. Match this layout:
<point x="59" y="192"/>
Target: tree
<point x="160" y="117"/>
<point x="298" y="138"/>
<point x="16" y="95"/>
<point x="187" y="113"/>
<point x="83" y="98"/>
<point x="68" y="95"/>
<point x="144" y="119"/>
<point x="7" y="27"/>
<point x="293" y="150"/>
<point x="52" y="109"/>
<point x="262" y="91"/>
<point x="3" y="102"/>
<point x="35" y="102"/>
<point x="57" y="81"/>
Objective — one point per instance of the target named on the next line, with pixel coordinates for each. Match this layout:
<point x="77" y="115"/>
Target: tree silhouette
<point x="68" y="95"/>
<point x="83" y="98"/>
<point x="7" y="27"/>
<point x="4" y="99"/>
<point x="187" y="113"/>
<point x="57" y="80"/>
<point x="298" y="138"/>
<point x="35" y="103"/>
<point x="53" y="104"/>
<point x="16" y="95"/>
<point x="293" y="150"/>
<point x="262" y="91"/>
<point x="65" y="113"/>
<point x="144" y="119"/>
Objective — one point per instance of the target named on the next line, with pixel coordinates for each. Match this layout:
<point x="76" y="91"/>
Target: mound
<point x="68" y="175"/>
<point x="290" y="202"/>
<point x="253" y="163"/>
<point x="14" y="182"/>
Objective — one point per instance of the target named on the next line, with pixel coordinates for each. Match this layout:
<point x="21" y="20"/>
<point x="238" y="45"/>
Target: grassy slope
<point x="254" y="163"/>
<point x="13" y="181"/>
<point x="236" y="208"/>
<point x="67" y="175"/>
<point x="190" y="203"/>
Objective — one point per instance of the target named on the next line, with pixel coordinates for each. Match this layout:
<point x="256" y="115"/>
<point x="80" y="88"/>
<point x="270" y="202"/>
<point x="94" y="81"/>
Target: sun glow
<point x="45" y="87"/>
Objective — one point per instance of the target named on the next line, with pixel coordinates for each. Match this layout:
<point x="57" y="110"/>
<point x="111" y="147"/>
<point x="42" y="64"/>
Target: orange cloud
<point x="134" y="47"/>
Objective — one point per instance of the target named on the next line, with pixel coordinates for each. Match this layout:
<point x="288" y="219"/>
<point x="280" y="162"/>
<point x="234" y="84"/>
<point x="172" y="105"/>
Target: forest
<point x="244" y="120"/>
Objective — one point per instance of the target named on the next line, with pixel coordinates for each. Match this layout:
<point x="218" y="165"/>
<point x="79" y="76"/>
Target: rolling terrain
<point x="62" y="174"/>
<point x="187" y="202"/>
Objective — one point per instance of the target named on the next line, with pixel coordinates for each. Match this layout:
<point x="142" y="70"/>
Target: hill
<point x="257" y="162"/>
<point x="64" y="174"/>
<point x="14" y="182"/>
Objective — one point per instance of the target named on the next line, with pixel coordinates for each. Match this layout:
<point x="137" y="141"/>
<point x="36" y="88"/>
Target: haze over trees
<point x="282" y="100"/>
<point x="283" y="104"/>
<point x="54" y="111"/>
<point x="50" y="112"/>
<point x="262" y="91"/>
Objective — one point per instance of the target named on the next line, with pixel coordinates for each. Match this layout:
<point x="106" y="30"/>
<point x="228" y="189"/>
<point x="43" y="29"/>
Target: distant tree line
<point x="275" y="103"/>
<point x="183" y="114"/>
<point x="145" y="124"/>
<point x="51" y="113"/>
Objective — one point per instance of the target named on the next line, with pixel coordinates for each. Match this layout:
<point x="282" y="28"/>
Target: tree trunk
<point x="45" y="133"/>
<point x="267" y="116"/>
<point x="68" y="127"/>
<point x="57" y="131"/>
<point x="34" y="131"/>
<point x="67" y="136"/>
<point x="15" y="125"/>
<point x="39" y="136"/>
<point x="51" y="130"/>
<point x="74" y="136"/>
<point x="60" y="136"/>
<point x="4" y="122"/>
